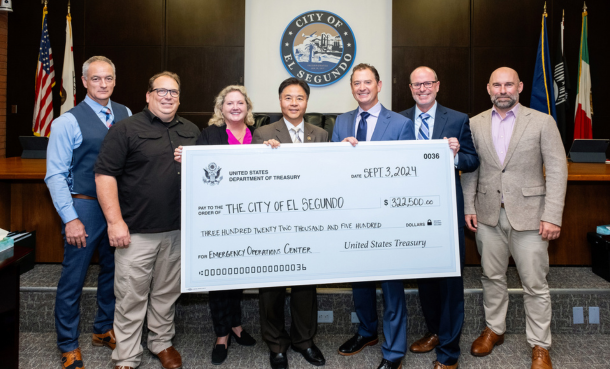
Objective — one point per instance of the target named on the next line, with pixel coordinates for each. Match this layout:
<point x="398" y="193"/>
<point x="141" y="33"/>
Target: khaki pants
<point x="496" y="245"/>
<point x="146" y="284"/>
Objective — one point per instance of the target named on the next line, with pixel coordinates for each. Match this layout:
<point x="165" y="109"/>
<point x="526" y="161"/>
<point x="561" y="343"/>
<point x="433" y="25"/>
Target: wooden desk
<point x="25" y="203"/>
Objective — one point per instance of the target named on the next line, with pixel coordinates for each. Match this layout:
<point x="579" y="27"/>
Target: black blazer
<point x="215" y="135"/>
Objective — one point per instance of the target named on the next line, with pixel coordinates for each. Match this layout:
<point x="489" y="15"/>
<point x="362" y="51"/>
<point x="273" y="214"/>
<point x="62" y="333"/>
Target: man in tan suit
<point x="514" y="210"/>
<point x="294" y="94"/>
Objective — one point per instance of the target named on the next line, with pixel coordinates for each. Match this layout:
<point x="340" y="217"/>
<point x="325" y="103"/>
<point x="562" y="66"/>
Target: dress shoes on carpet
<point x="355" y="344"/>
<point x="245" y="340"/>
<point x="425" y="344"/>
<point x="438" y="365"/>
<point x="486" y="342"/>
<point x="313" y="355"/>
<point x="541" y="358"/>
<point x="387" y="364"/>
<point x="170" y="358"/>
<point x="220" y="352"/>
<point x="72" y="360"/>
<point x="105" y="339"/>
<point x="278" y="360"/>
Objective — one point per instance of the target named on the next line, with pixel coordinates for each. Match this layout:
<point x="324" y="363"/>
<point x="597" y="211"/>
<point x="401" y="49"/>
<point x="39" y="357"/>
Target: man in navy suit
<point x="372" y="122"/>
<point x="442" y="299"/>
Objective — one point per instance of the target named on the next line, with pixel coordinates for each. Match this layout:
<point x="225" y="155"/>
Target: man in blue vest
<point x="74" y="143"/>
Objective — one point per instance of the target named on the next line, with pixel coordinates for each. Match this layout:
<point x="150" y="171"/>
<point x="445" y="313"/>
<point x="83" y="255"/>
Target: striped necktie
<point x="297" y="138"/>
<point x="424" y="130"/>
<point x="109" y="120"/>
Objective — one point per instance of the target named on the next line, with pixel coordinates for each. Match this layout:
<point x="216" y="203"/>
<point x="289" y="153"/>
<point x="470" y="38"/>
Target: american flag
<point x="45" y="80"/>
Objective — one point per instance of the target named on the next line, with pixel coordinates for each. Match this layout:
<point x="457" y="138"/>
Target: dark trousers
<point x="74" y="269"/>
<point x="304" y="313"/>
<point x="442" y="301"/>
<point x="225" y="307"/>
<point x="394" y="315"/>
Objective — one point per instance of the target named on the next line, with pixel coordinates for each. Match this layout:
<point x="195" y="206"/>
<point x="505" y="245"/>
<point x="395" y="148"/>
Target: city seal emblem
<point x="318" y="47"/>
<point x="212" y="174"/>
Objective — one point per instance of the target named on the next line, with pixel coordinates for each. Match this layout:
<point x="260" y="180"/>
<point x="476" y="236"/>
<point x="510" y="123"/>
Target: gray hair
<point x="423" y="67"/>
<point x="97" y="59"/>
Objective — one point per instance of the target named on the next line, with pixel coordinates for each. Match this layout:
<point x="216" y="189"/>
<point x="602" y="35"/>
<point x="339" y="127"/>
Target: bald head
<point x="504" y="88"/>
<point x="420" y="70"/>
<point x="504" y="73"/>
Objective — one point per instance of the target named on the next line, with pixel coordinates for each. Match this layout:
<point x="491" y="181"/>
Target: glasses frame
<point x="172" y="93"/>
<point x="423" y="84"/>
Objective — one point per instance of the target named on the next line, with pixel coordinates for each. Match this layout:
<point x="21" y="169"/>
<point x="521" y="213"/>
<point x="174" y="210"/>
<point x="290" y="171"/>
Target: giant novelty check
<point x="317" y="213"/>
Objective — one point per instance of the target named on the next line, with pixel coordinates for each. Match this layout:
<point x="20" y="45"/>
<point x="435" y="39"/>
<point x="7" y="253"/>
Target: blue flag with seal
<point x="543" y="94"/>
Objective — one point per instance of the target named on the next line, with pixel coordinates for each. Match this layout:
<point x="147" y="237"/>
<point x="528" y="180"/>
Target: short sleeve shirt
<point x="139" y="153"/>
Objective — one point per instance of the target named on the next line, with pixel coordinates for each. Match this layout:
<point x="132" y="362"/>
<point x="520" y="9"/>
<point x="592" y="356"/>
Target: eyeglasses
<point x="163" y="92"/>
<point x="426" y="84"/>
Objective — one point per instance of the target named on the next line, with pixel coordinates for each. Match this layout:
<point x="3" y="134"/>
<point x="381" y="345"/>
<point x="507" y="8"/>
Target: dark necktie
<point x="424" y="130"/>
<point x="361" y="133"/>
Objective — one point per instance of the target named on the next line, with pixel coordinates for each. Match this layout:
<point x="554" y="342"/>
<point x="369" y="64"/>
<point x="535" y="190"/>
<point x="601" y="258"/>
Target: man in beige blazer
<point x="514" y="210"/>
<point x="294" y="94"/>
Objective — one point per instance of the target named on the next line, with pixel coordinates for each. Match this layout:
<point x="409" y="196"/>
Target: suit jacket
<point x="390" y="126"/>
<point x="450" y="123"/>
<point x="528" y="197"/>
<point x="216" y="135"/>
<point x="279" y="131"/>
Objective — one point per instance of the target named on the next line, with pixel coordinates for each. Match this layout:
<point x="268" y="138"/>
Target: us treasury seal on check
<point x="317" y="213"/>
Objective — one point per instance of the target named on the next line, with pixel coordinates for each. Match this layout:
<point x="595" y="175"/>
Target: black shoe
<point x="245" y="340"/>
<point x="278" y="360"/>
<point x="312" y="354"/>
<point x="219" y="353"/>
<point x="355" y="344"/>
<point x="387" y="364"/>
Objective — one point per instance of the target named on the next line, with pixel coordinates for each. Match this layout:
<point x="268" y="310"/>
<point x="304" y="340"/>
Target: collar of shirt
<point x="514" y="111"/>
<point x="430" y="121"/>
<point x="300" y="126"/>
<point x="371" y="121"/>
<point x="152" y="117"/>
<point x="97" y="108"/>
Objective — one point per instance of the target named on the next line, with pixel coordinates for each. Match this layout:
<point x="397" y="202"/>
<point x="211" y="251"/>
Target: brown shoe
<point x="438" y="365"/>
<point x="483" y="345"/>
<point x="105" y="339"/>
<point x="72" y="360"/>
<point x="170" y="358"/>
<point x="541" y="358"/>
<point x="425" y="344"/>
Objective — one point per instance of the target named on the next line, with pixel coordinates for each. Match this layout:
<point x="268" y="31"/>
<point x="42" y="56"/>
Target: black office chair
<point x="260" y="120"/>
<point x="329" y="124"/>
<point x="316" y="119"/>
<point x="274" y="117"/>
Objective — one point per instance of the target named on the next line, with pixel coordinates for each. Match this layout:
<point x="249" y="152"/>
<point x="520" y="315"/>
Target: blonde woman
<point x="231" y="125"/>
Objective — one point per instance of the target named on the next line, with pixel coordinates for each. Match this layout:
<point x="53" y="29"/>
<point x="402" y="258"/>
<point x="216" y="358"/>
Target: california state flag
<point x="584" y="109"/>
<point x="68" y="79"/>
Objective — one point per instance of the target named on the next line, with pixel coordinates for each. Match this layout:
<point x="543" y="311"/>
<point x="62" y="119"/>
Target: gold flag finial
<point x="545" y="9"/>
<point x="68" y="6"/>
<point x="584" y="8"/>
<point x="563" y="15"/>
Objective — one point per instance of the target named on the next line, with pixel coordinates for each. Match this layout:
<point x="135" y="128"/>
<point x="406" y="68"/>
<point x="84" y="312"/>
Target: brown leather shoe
<point x="483" y="345"/>
<point x="541" y="358"/>
<point x="425" y="344"/>
<point x="438" y="365"/>
<point x="170" y="358"/>
<point x="72" y="360"/>
<point x="105" y="339"/>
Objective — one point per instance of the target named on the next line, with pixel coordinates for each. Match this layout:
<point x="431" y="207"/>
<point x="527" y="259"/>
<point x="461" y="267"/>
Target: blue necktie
<point x="109" y="122"/>
<point x="361" y="133"/>
<point x="424" y="130"/>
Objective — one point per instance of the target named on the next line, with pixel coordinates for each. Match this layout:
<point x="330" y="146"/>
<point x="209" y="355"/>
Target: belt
<point x="84" y="197"/>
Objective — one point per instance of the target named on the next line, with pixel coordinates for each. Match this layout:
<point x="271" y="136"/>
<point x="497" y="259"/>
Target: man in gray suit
<point x="294" y="94"/>
<point x="514" y="210"/>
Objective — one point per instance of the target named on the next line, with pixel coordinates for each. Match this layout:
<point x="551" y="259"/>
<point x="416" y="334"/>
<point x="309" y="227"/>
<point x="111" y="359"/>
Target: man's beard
<point x="503" y="104"/>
